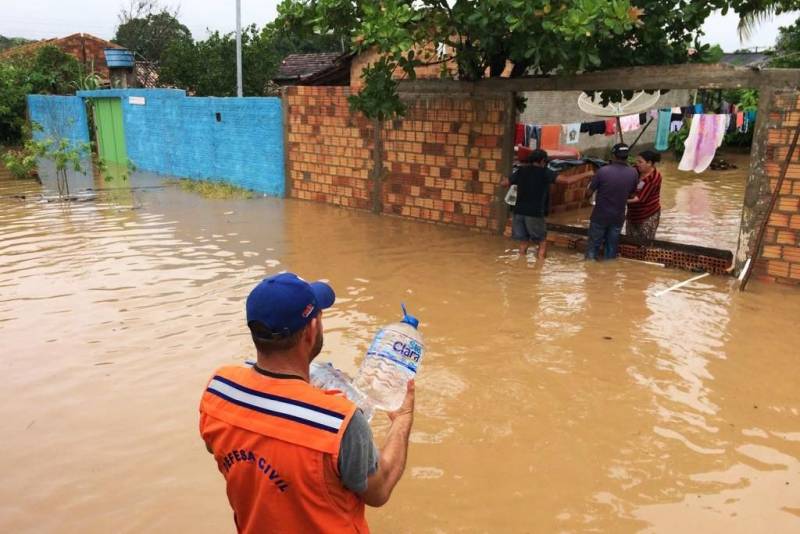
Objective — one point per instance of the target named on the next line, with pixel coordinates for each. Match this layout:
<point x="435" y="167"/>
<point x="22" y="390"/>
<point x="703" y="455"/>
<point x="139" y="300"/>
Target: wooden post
<point x="757" y="190"/>
<point x="287" y="165"/>
<point x="499" y="206"/>
<point x="377" y="166"/>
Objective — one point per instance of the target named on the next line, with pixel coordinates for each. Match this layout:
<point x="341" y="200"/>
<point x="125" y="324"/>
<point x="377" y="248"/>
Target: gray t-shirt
<point x="358" y="456"/>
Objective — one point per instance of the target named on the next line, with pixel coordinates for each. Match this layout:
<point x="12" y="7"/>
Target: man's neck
<point x="283" y="364"/>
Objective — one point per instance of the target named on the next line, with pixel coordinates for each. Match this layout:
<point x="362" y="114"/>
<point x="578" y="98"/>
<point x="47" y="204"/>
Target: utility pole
<point x="239" y="48"/>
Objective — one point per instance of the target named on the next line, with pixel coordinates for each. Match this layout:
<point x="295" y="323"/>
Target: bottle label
<point x="402" y="350"/>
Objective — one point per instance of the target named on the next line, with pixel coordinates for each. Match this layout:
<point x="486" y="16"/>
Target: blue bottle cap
<point x="409" y="319"/>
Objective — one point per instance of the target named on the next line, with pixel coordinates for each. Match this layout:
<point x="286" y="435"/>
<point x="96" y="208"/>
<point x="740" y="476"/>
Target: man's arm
<point x="393" y="455"/>
<point x="591" y="188"/>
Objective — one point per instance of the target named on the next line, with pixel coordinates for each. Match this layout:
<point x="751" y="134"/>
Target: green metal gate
<point x="109" y="130"/>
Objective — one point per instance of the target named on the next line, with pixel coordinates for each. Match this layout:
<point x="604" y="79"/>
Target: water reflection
<point x="702" y="209"/>
<point x="560" y="396"/>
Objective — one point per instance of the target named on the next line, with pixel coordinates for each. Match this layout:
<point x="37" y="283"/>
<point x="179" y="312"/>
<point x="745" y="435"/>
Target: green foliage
<point x="753" y="12"/>
<point x="11" y="42"/>
<point x="149" y="30"/>
<point x="787" y="47"/>
<point x="208" y="68"/>
<point x="66" y="156"/>
<point x="379" y="99"/>
<point x="535" y="37"/>
<point x="677" y="140"/>
<point x="212" y="189"/>
<point x="48" y="71"/>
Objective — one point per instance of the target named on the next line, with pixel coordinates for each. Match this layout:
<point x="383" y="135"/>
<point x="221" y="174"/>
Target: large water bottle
<point x="324" y="375"/>
<point x="391" y="361"/>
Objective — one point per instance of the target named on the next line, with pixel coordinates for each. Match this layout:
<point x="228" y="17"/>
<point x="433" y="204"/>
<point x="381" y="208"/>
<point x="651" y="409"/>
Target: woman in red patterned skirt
<point x="644" y="209"/>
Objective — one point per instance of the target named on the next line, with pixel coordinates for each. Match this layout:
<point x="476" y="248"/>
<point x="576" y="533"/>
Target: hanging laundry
<point x="611" y="126"/>
<point x="675" y="126"/>
<point x="662" y="129"/>
<point x="745" y="126"/>
<point x="532" y="134"/>
<point x="519" y="134"/>
<point x="551" y="135"/>
<point x="687" y="111"/>
<point x="630" y="123"/>
<point x="572" y="133"/>
<point x="750" y="116"/>
<point x="705" y="136"/>
<point x="594" y="128"/>
<point x="739" y="119"/>
<point x="676" y="110"/>
<point x="725" y="108"/>
<point x="642" y="119"/>
<point x="698" y="108"/>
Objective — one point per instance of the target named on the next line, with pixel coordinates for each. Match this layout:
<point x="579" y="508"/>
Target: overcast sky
<point x="38" y="19"/>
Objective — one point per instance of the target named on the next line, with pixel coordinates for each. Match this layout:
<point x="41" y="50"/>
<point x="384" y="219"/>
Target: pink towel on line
<point x="630" y="123"/>
<point x="705" y="136"/>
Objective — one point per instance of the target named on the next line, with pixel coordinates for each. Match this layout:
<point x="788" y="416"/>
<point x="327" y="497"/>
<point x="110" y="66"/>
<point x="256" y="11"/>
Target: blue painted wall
<point x="180" y="136"/>
<point x="59" y="117"/>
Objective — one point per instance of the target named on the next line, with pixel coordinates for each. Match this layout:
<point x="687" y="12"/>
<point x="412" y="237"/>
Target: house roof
<point x="31" y="48"/>
<point x="297" y="67"/>
<point x="745" y="59"/>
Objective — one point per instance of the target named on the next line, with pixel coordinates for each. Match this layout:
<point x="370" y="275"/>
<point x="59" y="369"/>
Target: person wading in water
<point x="644" y="209"/>
<point x="533" y="180"/>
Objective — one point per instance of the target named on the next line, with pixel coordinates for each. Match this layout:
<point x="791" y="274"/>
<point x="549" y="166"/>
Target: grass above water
<point x="211" y="189"/>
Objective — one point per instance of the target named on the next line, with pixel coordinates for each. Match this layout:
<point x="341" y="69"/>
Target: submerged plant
<point x="212" y="189"/>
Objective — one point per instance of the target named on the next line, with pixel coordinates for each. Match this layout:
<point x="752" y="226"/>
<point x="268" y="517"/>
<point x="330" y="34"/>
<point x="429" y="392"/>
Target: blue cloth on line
<point x="662" y="129"/>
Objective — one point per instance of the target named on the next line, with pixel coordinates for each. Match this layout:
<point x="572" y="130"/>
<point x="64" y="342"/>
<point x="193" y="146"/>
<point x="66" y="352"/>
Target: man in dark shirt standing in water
<point x="533" y="181"/>
<point x="614" y="185"/>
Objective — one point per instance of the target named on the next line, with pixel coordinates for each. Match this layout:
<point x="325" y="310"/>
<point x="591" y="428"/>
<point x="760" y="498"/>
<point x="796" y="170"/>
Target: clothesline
<point x="548" y="136"/>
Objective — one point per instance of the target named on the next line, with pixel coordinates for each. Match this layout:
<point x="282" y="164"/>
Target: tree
<point x="535" y="37"/>
<point x="49" y="71"/>
<point x="149" y="29"/>
<point x="208" y="68"/>
<point x="787" y="47"/>
<point x="754" y="12"/>
<point x="11" y="42"/>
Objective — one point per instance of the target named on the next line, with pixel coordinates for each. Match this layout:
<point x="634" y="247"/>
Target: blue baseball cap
<point x="285" y="303"/>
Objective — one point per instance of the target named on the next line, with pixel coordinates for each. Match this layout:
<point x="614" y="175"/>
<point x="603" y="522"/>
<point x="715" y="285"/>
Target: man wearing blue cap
<point x="296" y="458"/>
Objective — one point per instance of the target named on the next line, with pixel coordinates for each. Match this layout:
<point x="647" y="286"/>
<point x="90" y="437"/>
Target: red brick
<point x="792" y="254"/>
<point x="789" y="204"/>
<point x="771" y="251"/>
<point x="778" y="268"/>
<point x="794" y="272"/>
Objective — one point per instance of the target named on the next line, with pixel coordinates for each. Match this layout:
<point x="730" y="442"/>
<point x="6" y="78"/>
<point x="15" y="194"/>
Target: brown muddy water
<point x="554" y="397"/>
<point x="698" y="209"/>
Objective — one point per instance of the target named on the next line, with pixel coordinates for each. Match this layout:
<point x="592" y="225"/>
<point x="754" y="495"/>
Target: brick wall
<point x="329" y="150"/>
<point x="441" y="161"/>
<point x="780" y="258"/>
<point x="444" y="160"/>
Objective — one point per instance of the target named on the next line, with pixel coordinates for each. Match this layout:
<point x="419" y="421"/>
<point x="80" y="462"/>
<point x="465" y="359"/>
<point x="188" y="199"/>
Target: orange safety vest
<point x="276" y="442"/>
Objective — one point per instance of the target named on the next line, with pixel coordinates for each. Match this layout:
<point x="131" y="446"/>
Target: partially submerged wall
<point x="780" y="257"/>
<point x="441" y="162"/>
<point x="237" y="140"/>
<point x="328" y="152"/>
<point x="58" y="117"/>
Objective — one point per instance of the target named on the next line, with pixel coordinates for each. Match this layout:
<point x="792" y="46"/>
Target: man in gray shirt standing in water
<point x="614" y="185"/>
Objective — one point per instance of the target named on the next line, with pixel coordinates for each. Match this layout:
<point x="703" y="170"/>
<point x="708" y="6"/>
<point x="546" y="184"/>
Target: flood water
<point x="554" y="397"/>
<point x="698" y="209"/>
